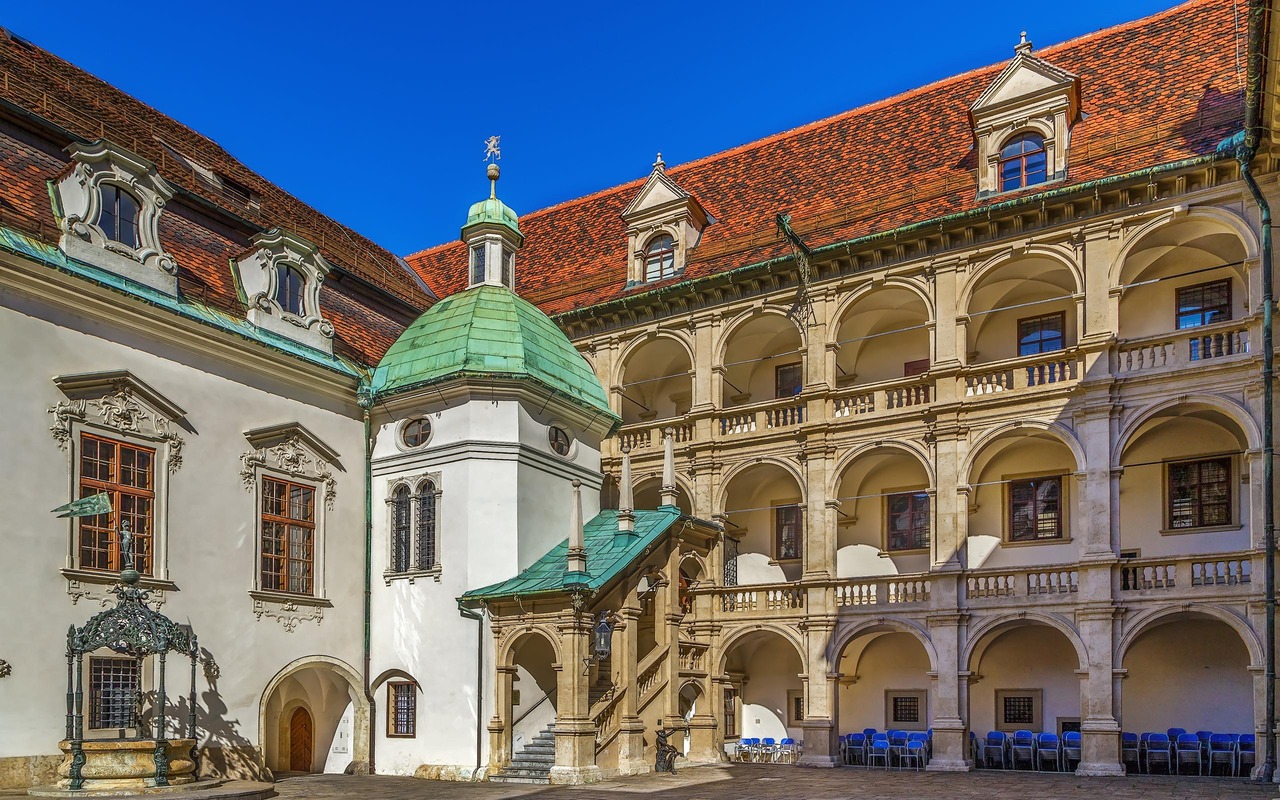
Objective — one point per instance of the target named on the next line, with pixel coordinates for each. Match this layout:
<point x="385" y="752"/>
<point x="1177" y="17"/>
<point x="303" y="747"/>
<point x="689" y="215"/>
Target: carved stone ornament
<point x="274" y="253"/>
<point x="102" y="594"/>
<point x="287" y="612"/>
<point x="119" y="402"/>
<point x="5" y="669"/>
<point x="100" y="166"/>
<point x="294" y="451"/>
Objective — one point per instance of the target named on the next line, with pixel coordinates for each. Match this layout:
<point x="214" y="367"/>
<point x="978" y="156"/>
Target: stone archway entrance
<point x="301" y="740"/>
<point x="301" y="710"/>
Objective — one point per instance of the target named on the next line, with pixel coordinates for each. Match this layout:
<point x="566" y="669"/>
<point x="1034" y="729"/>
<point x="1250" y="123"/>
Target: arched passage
<point x="885" y="510"/>
<point x="1187" y="670"/>
<point x="1183" y="466"/>
<point x="534" y="677"/>
<point x="1027" y="679"/>
<point x="763" y="669"/>
<point x="1021" y="307"/>
<point x="884" y="681"/>
<point x="883" y="336"/>
<point x="763" y="359"/>
<point x="764" y="510"/>
<point x="332" y="696"/>
<point x="656" y="380"/>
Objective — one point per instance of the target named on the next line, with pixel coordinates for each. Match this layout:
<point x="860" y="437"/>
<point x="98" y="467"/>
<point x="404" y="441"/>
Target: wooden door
<point x="300" y="741"/>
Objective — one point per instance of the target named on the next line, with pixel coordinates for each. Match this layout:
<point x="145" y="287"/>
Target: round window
<point x="416" y="432"/>
<point x="560" y="440"/>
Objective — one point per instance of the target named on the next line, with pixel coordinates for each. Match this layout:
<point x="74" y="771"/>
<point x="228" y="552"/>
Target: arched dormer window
<point x="401" y="529"/>
<point x="1023" y="162"/>
<point x="660" y="258"/>
<point x="119" y="216"/>
<point x="426" y="526"/>
<point x="291" y="287"/>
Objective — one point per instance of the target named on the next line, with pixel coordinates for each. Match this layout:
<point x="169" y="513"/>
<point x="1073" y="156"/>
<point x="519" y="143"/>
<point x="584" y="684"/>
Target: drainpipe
<point x="478" y="616"/>
<point x="364" y="399"/>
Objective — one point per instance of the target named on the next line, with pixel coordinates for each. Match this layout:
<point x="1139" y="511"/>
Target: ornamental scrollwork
<point x="293" y="458"/>
<point x="287" y="612"/>
<point x="120" y="410"/>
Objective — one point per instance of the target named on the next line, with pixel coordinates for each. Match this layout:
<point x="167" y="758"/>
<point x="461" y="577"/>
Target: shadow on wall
<point x="224" y="751"/>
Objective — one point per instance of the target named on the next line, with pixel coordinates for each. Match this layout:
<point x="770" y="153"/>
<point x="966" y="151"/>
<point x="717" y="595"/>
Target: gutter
<point x="693" y="284"/>
<point x="478" y="616"/>
<point x="1246" y="147"/>
<point x="364" y="398"/>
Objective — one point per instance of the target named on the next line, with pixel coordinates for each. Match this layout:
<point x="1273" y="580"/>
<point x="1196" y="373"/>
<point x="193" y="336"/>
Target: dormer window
<point x="280" y="279"/>
<point x="290" y="285"/>
<point x="1023" y="162"/>
<point x="119" y="216"/>
<point x="660" y="258"/>
<point x="108" y="206"/>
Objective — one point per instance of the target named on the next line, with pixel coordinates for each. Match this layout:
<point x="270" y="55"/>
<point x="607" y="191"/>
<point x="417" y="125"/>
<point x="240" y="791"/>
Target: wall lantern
<point x="602" y="640"/>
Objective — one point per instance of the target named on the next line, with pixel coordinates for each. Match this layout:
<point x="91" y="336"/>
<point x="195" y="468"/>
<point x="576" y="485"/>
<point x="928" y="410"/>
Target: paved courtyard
<point x="762" y="782"/>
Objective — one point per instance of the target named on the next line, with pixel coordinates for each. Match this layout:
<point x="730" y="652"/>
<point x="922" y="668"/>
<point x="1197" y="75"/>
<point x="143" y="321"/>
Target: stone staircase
<point x="533" y="763"/>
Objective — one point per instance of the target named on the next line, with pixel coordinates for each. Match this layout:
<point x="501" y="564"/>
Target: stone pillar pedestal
<point x="575" y="753"/>
<point x="818" y="743"/>
<point x="703" y="748"/>
<point x="950" y="746"/>
<point x="1100" y="748"/>
<point x="631" y="760"/>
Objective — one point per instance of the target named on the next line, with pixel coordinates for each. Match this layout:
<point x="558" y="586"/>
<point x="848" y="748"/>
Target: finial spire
<point x="667" y="494"/>
<point x="493" y="154"/>
<point x="1023" y="46"/>
<point x="577" y="543"/>
<point x="660" y="165"/>
<point x="626" y="502"/>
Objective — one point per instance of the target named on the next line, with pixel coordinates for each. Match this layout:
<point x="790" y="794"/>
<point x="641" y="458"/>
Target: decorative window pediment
<point x="1029" y="96"/>
<point x="281" y="279"/>
<point x="109" y="205"/>
<point x="293" y="451"/>
<point x="119" y="402"/>
<point x="663" y="223"/>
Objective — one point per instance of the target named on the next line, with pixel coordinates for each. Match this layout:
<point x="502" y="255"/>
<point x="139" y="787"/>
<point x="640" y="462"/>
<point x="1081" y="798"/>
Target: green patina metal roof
<point x="494" y="211"/>
<point x="608" y="554"/>
<point x="23" y="245"/>
<point x="488" y="331"/>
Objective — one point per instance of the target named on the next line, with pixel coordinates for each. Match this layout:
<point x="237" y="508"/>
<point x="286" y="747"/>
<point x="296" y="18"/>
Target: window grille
<point x="288" y="536"/>
<point x="730" y="561"/>
<point x="401" y="529"/>
<point x="126" y="473"/>
<point x="1019" y="710"/>
<point x="1043" y="334"/>
<point x="427" y="526"/>
<point x="402" y="702"/>
<point x="114" y="693"/>
<point x="906" y="708"/>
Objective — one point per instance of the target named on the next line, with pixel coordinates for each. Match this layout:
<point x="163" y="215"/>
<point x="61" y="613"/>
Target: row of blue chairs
<point x="1037" y="751"/>
<point x="1234" y="752"/>
<point x="767" y="750"/>
<point x="897" y="748"/>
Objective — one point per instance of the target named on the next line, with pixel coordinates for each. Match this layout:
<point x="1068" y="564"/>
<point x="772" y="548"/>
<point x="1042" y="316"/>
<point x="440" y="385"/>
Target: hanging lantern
<point x="603" y="639"/>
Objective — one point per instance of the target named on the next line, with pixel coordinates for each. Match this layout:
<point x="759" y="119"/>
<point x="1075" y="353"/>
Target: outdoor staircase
<point x="534" y="761"/>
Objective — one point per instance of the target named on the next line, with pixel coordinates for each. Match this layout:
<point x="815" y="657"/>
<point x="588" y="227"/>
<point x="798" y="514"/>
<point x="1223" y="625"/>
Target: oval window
<point x="416" y="432"/>
<point x="560" y="440"/>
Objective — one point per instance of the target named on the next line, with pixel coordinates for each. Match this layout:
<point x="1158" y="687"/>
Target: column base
<point x="938" y="765"/>
<point x="575" y="776"/>
<point x="817" y="760"/>
<point x="1101" y="769"/>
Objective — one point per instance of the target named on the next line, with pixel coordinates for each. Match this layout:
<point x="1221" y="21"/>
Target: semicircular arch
<point x="988" y="630"/>
<point x="1143" y="623"/>
<point x="862" y="292"/>
<point x="1233" y="410"/>
<point x="997" y="262"/>
<point x="643" y="340"/>
<point x="844" y="635"/>
<point x="506" y="649"/>
<point x="731" y="639"/>
<point x="909" y="448"/>
<point x="745" y="318"/>
<point x="1229" y="220"/>
<point x="726" y="480"/>
<point x="991" y="435"/>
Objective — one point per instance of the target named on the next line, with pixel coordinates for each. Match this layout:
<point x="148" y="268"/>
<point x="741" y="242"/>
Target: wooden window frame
<point x="312" y="525"/>
<point x="777" y="380"/>
<point x="778" y="510"/>
<point x="916" y="547"/>
<point x="921" y="695"/>
<point x="1062" y="528"/>
<point x="112" y="211"/>
<point x="730" y="698"/>
<point x="291" y="290"/>
<point x="1200" y="524"/>
<point x="1037" y="710"/>
<point x="1061" y="317"/>
<point x="663" y="261"/>
<point x="114" y="489"/>
<point x="1202" y="310"/>
<point x="1021" y="158"/>
<point x="393" y="712"/>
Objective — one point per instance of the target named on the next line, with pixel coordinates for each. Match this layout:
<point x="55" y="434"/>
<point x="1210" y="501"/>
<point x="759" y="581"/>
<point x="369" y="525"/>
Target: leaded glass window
<point x="401" y="529"/>
<point x="1041" y="334"/>
<point x="1200" y="493"/>
<point x="290" y="285"/>
<point x="426" y="525"/>
<point x="1035" y="509"/>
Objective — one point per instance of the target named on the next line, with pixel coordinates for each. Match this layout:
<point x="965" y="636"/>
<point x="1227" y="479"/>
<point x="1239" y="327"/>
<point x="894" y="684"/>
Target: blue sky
<point x="376" y="113"/>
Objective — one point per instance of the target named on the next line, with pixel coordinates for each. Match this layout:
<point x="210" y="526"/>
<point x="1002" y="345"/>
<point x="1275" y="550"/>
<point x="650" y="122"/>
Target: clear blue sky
<point x="376" y="113"/>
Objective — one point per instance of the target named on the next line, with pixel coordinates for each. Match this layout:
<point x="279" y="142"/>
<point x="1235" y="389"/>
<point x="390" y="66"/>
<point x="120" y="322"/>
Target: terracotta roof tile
<point x="905" y="159"/>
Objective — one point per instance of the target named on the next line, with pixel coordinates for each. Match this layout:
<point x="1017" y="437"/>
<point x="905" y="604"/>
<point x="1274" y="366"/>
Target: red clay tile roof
<point x="906" y="159"/>
<point x="202" y="243"/>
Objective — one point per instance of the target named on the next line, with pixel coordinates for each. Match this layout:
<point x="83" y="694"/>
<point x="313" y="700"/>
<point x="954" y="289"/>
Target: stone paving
<point x="765" y="782"/>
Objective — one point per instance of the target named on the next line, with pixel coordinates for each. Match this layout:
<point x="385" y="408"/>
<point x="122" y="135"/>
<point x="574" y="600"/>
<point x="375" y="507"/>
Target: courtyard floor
<point x="765" y="782"/>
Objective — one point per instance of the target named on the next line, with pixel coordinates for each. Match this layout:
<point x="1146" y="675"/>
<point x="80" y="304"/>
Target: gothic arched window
<point x="426" y="525"/>
<point x="401" y="529"/>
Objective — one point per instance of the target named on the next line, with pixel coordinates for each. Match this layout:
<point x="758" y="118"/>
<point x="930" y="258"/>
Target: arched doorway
<point x="690" y="704"/>
<point x="533" y="689"/>
<point x="762" y="671"/>
<point x="1027" y="678"/>
<point x="301" y="740"/>
<point x="302" y="710"/>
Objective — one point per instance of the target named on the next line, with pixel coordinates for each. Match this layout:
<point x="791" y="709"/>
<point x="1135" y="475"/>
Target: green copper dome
<point x="488" y="331"/>
<point x="493" y="211"/>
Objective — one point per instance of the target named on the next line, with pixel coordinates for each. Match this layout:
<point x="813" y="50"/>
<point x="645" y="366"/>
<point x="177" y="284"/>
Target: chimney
<point x="668" y="491"/>
<point x="577" y="546"/>
<point x="626" y="503"/>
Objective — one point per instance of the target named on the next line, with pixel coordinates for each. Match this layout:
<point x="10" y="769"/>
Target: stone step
<point x="534" y="759"/>
<point x="500" y="778"/>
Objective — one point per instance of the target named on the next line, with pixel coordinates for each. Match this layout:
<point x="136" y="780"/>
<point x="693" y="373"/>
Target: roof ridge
<point x="873" y="105"/>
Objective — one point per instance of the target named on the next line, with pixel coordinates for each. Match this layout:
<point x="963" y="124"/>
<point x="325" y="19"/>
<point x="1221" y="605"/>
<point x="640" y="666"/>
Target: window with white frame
<point x="414" y="515"/>
<point x="281" y="275"/>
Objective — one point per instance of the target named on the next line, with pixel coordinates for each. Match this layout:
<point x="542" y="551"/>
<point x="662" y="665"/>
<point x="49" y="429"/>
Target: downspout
<point x="1246" y="149"/>
<point x="478" y="616"/>
<point x="364" y="399"/>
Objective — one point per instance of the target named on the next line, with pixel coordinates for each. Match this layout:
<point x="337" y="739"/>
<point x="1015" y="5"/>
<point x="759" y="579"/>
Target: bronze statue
<point x="666" y="761"/>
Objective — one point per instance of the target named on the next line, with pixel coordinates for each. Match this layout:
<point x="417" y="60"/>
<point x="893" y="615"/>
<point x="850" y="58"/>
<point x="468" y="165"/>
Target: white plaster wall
<point x="887" y="662"/>
<point x="1189" y="674"/>
<point x="340" y="751"/>
<point x="771" y="668"/>
<point x="1030" y="657"/>
<point x="211" y="521"/>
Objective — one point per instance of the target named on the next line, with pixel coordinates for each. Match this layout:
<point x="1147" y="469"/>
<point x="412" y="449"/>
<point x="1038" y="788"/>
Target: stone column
<point x="820" y="749"/>
<point x="951" y="498"/>
<point x="631" y="760"/>
<point x="703" y="330"/>
<point x="949" y="722"/>
<point x="819" y="522"/>
<point x="1100" y="731"/>
<point x="575" y="732"/>
<point x="500" y="724"/>
<point x="818" y="377"/>
<point x="948" y="337"/>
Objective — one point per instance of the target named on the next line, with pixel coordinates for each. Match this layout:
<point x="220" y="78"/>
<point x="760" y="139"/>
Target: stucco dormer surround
<point x="109" y="205"/>
<point x="1029" y="96"/>
<point x="661" y="209"/>
<point x="281" y="279"/>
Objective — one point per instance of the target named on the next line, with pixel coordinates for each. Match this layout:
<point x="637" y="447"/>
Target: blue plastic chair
<point x="786" y="750"/>
<point x="1071" y="747"/>
<point x="897" y="745"/>
<point x="1187" y="751"/>
<point x="1049" y="748"/>
<point x="768" y="749"/>
<point x="914" y="754"/>
<point x="1158" y="749"/>
<point x="1246" y="753"/>
<point x="1130" y="753"/>
<point x="1022" y="747"/>
<point x="855" y="748"/>
<point x="994" y="745"/>
<point x="879" y="752"/>
<point x="870" y="733"/>
<point x="1222" y="751"/>
<point x="1174" y="733"/>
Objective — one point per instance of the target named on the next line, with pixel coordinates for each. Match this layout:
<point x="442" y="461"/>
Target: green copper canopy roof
<point x="488" y="331"/>
<point x="493" y="211"/>
<point x="608" y="554"/>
